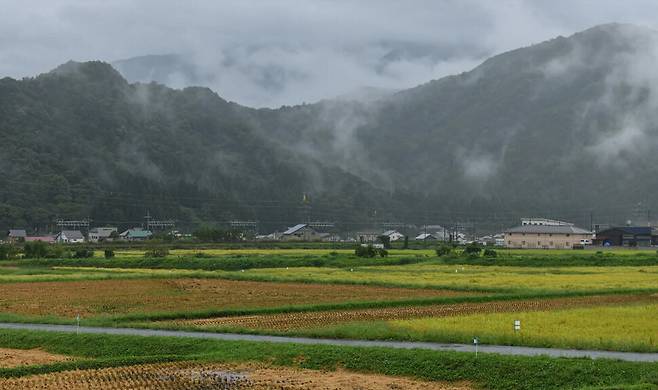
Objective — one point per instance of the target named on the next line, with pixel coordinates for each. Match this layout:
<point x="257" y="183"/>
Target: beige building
<point x="301" y="232"/>
<point x="547" y="236"/>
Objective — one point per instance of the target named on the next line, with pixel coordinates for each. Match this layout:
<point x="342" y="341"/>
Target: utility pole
<point x="649" y="217"/>
<point x="591" y="221"/>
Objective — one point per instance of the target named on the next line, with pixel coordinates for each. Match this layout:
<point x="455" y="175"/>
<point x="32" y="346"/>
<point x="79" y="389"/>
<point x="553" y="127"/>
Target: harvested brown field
<point x="180" y="376"/>
<point x="103" y="297"/>
<point x="26" y="357"/>
<point x="291" y="321"/>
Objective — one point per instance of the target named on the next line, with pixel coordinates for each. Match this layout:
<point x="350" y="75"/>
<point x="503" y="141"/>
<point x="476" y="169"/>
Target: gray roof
<point x="72" y="234"/>
<point x="548" y="229"/>
<point x="295" y="228"/>
<point x="17" y="233"/>
<point x="390" y="232"/>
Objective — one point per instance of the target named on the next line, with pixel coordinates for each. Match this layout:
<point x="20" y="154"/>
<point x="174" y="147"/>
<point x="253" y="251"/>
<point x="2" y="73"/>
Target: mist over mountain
<point x="283" y="74"/>
<point x="556" y="129"/>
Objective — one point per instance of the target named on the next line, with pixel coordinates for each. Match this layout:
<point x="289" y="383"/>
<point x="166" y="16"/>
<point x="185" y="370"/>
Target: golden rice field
<point x="306" y="320"/>
<point x="198" y="376"/>
<point x="125" y="296"/>
<point x="472" y="276"/>
<point x="629" y="327"/>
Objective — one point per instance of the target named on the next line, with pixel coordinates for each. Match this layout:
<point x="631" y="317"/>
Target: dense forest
<point x="541" y="131"/>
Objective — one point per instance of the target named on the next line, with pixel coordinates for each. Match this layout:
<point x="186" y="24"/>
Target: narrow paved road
<point x="499" y="349"/>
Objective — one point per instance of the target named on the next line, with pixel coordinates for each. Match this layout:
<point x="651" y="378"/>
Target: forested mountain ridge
<point x="80" y="141"/>
<point x="560" y="128"/>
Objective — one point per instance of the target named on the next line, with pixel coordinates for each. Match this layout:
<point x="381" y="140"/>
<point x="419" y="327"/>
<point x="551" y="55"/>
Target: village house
<point x="136" y="234"/>
<point x="301" y="232"/>
<point x="437" y="231"/>
<point x="547" y="236"/>
<point x="393" y="235"/>
<point x="426" y="237"/>
<point x="630" y="236"/>
<point x="100" y="234"/>
<point x="16" y="235"/>
<point x="367" y="236"/>
<point x="70" y="237"/>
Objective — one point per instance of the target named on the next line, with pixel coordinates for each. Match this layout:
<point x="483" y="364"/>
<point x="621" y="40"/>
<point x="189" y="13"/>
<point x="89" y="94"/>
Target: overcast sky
<point x="268" y="53"/>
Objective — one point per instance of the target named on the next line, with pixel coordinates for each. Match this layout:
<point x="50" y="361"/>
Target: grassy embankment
<point x="486" y="371"/>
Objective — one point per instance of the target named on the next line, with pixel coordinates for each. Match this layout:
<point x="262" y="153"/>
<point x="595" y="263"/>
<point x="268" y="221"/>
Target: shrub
<point x="365" y="251"/>
<point x="201" y="255"/>
<point x="83" y="253"/>
<point x="108" y="253"/>
<point x="57" y="252"/>
<point x="443" y="250"/>
<point x="157" y="252"/>
<point x="370" y="251"/>
<point x="472" y="249"/>
<point x="8" y="251"/>
<point x="490" y="253"/>
<point x="35" y="249"/>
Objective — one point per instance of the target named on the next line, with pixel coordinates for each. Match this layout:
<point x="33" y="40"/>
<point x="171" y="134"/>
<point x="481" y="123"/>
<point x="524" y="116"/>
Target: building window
<point x="538" y="243"/>
<point x="568" y="234"/>
<point x="550" y="243"/>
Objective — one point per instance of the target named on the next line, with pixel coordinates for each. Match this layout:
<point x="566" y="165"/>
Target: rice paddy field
<point x="587" y="300"/>
<point x="475" y="277"/>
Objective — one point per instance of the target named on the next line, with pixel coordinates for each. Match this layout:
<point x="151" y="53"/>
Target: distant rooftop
<point x="548" y="229"/>
<point x="544" y="221"/>
<point x="294" y="229"/>
<point x="17" y="233"/>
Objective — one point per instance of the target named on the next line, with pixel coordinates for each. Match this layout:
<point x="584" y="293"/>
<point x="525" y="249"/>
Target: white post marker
<point x="517" y="325"/>
<point x="77" y="320"/>
<point x="476" y="341"/>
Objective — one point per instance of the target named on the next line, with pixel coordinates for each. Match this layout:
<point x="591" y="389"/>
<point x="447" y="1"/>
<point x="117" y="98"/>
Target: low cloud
<point x="294" y="51"/>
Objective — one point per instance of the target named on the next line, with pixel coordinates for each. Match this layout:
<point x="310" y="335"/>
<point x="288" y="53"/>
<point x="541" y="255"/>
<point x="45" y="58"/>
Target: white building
<point x="70" y="237"/>
<point x="393" y="235"/>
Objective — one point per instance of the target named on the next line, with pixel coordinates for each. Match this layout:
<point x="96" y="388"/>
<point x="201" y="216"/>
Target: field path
<point x="499" y="349"/>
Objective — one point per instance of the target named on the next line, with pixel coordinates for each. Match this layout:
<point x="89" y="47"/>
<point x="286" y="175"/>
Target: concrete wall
<point x="544" y="240"/>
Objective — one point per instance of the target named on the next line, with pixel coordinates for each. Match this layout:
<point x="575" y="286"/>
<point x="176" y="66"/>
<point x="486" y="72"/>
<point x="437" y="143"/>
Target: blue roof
<point x="635" y="230"/>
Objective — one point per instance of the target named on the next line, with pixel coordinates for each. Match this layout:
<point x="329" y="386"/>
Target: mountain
<point x="559" y="129"/>
<point x="80" y="141"/>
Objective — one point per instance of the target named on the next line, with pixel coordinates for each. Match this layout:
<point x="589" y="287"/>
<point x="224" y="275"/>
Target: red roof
<point x="48" y="239"/>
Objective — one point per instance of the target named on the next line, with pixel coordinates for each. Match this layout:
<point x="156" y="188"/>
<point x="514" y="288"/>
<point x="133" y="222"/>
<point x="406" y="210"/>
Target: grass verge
<point x="487" y="370"/>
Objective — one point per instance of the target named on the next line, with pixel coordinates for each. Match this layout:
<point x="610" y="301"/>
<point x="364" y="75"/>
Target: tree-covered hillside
<point x="82" y="142"/>
<point x="557" y="129"/>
